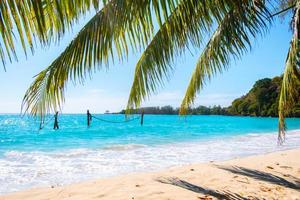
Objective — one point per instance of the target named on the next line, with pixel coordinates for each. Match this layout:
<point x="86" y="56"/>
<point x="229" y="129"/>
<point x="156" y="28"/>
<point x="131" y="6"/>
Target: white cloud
<point x="95" y="91"/>
<point x="100" y="100"/>
<point x="216" y="99"/>
<point x="96" y="100"/>
<point x="172" y="98"/>
<point x="10" y="106"/>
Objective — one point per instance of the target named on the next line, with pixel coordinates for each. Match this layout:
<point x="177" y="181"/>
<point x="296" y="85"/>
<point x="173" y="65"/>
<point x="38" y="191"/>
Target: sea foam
<point x="25" y="169"/>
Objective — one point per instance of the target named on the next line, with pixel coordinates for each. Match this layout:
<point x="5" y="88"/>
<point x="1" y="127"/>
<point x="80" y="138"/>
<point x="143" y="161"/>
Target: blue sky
<point x="109" y="89"/>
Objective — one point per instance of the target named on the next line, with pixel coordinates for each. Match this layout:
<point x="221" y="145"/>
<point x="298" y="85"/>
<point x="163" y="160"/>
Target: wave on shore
<point x="21" y="170"/>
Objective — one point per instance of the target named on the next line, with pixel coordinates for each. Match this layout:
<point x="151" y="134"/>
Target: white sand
<point x="270" y="176"/>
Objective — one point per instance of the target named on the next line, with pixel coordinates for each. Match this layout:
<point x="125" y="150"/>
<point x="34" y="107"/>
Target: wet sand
<point x="270" y="176"/>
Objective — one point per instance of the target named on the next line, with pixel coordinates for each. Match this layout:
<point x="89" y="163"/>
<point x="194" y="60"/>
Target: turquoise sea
<point x="30" y="157"/>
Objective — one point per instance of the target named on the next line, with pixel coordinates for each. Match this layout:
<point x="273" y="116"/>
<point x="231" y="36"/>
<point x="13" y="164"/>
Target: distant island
<point x="261" y="100"/>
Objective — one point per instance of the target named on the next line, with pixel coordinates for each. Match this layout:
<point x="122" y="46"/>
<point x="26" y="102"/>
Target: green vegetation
<point x="262" y="100"/>
<point x="122" y="26"/>
<point x="164" y="110"/>
<point x="169" y="110"/>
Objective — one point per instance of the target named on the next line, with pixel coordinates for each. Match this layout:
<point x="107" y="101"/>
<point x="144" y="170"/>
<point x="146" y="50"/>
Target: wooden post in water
<point x="56" y="121"/>
<point x="41" y="124"/>
<point x="142" y="118"/>
<point x="89" y="118"/>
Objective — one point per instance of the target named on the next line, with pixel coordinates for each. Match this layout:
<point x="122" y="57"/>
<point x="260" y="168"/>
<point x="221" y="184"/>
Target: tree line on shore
<point x="261" y="100"/>
<point x="169" y="110"/>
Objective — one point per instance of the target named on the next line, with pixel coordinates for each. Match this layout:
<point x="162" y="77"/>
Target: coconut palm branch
<point x="291" y="77"/>
<point x="185" y="27"/>
<point x="186" y="24"/>
<point x="118" y="24"/>
<point x="155" y="62"/>
<point x="230" y="40"/>
<point x="93" y="45"/>
<point x="37" y="20"/>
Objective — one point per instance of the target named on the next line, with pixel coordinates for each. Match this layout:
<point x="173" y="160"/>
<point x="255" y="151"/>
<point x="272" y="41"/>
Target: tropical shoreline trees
<point x="261" y="101"/>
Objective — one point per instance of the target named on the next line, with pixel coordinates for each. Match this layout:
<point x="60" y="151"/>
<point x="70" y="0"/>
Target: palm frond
<point x="37" y="19"/>
<point x="230" y="40"/>
<point x="118" y="24"/>
<point x="289" y="88"/>
<point x="170" y="40"/>
<point x="187" y="25"/>
<point x="43" y="93"/>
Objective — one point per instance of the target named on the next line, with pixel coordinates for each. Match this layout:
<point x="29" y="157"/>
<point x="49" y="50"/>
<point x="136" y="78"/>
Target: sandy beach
<point x="270" y="176"/>
<point x="149" y="100"/>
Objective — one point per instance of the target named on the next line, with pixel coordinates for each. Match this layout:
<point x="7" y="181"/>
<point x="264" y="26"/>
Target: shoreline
<point x="153" y="114"/>
<point x="272" y="176"/>
<point x="24" y="170"/>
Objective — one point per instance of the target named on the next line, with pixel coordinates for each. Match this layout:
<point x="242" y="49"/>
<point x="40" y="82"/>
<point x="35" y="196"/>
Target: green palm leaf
<point x="291" y="77"/>
<point x="230" y="40"/>
<point x="186" y="25"/>
<point x="118" y="24"/>
<point x="41" y="19"/>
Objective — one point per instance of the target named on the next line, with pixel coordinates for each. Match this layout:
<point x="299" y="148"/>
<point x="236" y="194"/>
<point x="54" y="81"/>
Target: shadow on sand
<point x="204" y="191"/>
<point x="293" y="182"/>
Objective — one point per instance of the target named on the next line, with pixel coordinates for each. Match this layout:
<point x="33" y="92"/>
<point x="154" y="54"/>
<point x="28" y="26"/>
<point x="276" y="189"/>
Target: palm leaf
<point x="230" y="40"/>
<point x="186" y="25"/>
<point x="118" y="24"/>
<point x="41" y="19"/>
<point x="289" y="88"/>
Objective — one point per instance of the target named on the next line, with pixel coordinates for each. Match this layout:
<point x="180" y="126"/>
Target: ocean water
<point x="30" y="157"/>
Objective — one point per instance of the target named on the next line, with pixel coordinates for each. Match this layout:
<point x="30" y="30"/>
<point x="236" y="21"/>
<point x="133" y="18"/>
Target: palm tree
<point x="123" y="24"/>
<point x="37" y="21"/>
